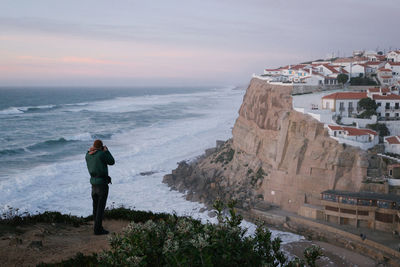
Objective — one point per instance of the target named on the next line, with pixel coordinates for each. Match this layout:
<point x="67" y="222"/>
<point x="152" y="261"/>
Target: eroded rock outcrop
<point x="276" y="155"/>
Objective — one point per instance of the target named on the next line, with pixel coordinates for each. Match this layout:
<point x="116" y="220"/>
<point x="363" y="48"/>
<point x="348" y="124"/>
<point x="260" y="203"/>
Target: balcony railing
<point x="391" y="108"/>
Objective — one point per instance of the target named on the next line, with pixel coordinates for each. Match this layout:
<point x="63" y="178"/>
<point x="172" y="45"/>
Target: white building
<point x="344" y="104"/>
<point x="313" y="79"/>
<point x="393" y="56"/>
<point x="329" y="70"/>
<point x="272" y="71"/>
<point x="373" y="66"/>
<point x="385" y="76"/>
<point x="388" y="105"/>
<point x="356" y="70"/>
<point x="394" y="66"/>
<point x="346" y="61"/>
<point x="362" y="138"/>
<point x="392" y="144"/>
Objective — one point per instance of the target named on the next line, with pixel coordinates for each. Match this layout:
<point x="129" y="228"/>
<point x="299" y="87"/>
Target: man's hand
<point x="105" y="148"/>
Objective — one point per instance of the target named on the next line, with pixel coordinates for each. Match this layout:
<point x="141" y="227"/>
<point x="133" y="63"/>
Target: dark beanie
<point x="98" y="144"/>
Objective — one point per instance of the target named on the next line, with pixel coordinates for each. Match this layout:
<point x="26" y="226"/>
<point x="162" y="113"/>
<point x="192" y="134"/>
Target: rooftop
<point x="373" y="63"/>
<point x="377" y="90"/>
<point x="350" y="59"/>
<point x="346" y="95"/>
<point x="393" y="140"/>
<point x="352" y="131"/>
<point x="386" y="97"/>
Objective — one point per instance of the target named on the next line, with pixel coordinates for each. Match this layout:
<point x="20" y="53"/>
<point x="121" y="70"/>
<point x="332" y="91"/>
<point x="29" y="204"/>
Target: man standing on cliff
<point x="97" y="159"/>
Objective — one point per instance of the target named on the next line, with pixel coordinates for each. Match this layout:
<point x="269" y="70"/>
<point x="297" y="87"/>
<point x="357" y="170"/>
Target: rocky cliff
<point x="277" y="156"/>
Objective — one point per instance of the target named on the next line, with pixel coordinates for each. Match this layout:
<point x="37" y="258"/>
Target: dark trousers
<point x="99" y="196"/>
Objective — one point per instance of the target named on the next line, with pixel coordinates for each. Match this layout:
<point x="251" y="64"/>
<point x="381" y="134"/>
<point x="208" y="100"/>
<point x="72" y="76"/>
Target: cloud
<point x="68" y="59"/>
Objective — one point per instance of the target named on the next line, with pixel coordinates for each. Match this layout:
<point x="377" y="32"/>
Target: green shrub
<point x="12" y="217"/>
<point x="380" y="128"/>
<point x="122" y="213"/>
<point x="362" y="81"/>
<point x="159" y="239"/>
<point x="226" y="156"/>
<point x="183" y="241"/>
<point x="260" y="173"/>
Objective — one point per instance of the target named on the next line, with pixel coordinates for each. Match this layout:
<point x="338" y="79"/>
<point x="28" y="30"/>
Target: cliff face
<point x="295" y="150"/>
<point x="277" y="155"/>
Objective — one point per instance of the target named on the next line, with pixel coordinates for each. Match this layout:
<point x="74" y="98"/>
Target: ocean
<point x="45" y="133"/>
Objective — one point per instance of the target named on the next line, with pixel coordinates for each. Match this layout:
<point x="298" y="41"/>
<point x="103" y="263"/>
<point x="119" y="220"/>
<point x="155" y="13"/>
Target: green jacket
<point x="97" y="166"/>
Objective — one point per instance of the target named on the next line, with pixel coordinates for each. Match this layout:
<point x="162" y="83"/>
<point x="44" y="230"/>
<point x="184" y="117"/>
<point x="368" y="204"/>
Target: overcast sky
<point x="173" y="42"/>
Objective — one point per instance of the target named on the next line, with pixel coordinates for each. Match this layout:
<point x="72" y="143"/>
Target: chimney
<point x="311" y="71"/>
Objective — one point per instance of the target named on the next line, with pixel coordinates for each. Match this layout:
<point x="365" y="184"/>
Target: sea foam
<point x="63" y="185"/>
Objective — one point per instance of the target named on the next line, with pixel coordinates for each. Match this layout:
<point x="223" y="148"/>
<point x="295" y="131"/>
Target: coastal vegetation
<point x="225" y="157"/>
<point x="361" y="81"/>
<point x="342" y="78"/>
<point x="368" y="106"/>
<point x="380" y="128"/>
<point x="170" y="240"/>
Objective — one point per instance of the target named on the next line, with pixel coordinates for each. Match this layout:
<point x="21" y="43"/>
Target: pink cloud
<point x="87" y="60"/>
<point x="69" y="59"/>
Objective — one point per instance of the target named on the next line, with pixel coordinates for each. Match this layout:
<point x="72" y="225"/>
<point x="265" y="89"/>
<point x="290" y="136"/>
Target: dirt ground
<point x="30" y="245"/>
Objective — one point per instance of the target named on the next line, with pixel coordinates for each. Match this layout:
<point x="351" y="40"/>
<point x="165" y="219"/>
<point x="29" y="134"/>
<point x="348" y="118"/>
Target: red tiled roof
<point x="386" y="77"/>
<point x="272" y="69"/>
<point x="331" y="68"/>
<point x="352" y="131"/>
<point x="392" y="140"/>
<point x="377" y="90"/>
<point x="297" y="67"/>
<point x="346" y="95"/>
<point x="373" y="63"/>
<point x="394" y="63"/>
<point x="350" y="59"/>
<point x="383" y="69"/>
<point x="355" y="131"/>
<point x="386" y="97"/>
<point x="335" y="128"/>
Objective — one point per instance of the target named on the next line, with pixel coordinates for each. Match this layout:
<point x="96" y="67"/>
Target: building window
<point x="396" y="105"/>
<point x="396" y="114"/>
<point x="390" y="172"/>
<point x="387" y="106"/>
<point x="379" y="114"/>
<point x="379" y="104"/>
<point x="341" y="106"/>
<point x="386" y="114"/>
